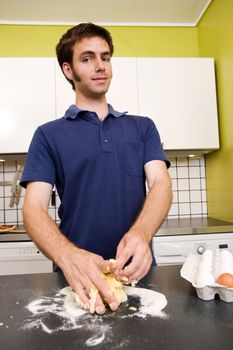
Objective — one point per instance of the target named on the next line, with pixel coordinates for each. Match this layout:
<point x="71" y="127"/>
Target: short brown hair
<point x="64" y="48"/>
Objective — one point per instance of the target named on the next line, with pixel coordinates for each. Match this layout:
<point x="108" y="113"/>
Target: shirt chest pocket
<point x="133" y="158"/>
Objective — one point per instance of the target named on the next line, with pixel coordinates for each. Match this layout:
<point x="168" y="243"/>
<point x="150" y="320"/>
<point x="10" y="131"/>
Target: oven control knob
<point x="201" y="249"/>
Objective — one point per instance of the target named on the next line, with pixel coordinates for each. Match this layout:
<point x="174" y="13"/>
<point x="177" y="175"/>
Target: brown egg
<point x="225" y="279"/>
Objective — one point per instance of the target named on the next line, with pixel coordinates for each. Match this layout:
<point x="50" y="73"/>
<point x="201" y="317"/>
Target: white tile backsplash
<point x="8" y="189"/>
<point x="173" y="172"/>
<point x="174" y="184"/>
<point x="195" y="196"/>
<point x="189" y="187"/>
<point x="2" y="216"/>
<point x="195" y="184"/>
<point x="20" y="216"/>
<point x="184" y="209"/>
<point x="182" y="173"/>
<point x="204" y="207"/>
<point x="174" y="210"/>
<point x="194" y="172"/>
<point x="175" y="196"/>
<point x="11" y="216"/>
<point x="184" y="196"/>
<point x="203" y="184"/>
<point x="183" y="184"/>
<point x="196" y="208"/>
<point x="203" y="196"/>
<point x="202" y="170"/>
<point x="188" y="180"/>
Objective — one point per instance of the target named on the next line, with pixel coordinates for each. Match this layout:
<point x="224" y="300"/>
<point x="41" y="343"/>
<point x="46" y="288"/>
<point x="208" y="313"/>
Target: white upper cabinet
<point x="179" y="94"/>
<point x="27" y="98"/>
<point x="122" y="94"/>
<point x="65" y="95"/>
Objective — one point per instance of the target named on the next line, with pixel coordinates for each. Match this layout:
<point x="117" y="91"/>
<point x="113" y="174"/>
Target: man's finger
<point x="99" y="305"/>
<point x="82" y="295"/>
<point x="135" y="273"/>
<point x="123" y="258"/>
<point x="105" y="292"/>
<point x="120" y="248"/>
<point x="134" y="266"/>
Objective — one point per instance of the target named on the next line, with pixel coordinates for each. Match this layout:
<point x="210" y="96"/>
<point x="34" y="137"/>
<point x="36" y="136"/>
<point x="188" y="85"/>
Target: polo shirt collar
<point x="73" y="112"/>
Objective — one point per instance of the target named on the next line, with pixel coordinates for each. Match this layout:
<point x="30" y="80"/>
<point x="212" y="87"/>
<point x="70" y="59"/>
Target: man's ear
<point x="67" y="70"/>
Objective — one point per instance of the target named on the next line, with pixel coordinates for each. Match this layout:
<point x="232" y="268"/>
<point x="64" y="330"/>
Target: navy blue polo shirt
<point x="98" y="170"/>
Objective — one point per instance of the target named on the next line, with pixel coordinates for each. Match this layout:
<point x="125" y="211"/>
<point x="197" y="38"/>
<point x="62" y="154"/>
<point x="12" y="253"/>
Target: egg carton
<point x="203" y="270"/>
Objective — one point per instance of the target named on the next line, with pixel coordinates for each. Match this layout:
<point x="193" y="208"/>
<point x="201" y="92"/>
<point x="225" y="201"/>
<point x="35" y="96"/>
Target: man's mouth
<point x="100" y="78"/>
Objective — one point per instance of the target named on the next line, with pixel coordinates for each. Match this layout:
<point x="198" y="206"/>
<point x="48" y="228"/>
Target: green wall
<point x="215" y="38"/>
<point x="28" y="40"/>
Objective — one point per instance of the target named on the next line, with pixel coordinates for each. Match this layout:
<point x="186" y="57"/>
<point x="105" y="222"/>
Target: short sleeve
<point x="153" y="149"/>
<point x="39" y="165"/>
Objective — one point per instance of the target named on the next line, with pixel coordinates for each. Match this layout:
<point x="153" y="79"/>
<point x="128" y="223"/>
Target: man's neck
<point x="99" y="106"/>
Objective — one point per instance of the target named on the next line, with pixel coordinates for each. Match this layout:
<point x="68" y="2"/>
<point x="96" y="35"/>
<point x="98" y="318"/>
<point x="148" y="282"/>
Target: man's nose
<point x="99" y="64"/>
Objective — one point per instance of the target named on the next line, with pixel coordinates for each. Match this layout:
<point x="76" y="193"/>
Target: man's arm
<point x="136" y="242"/>
<point x="81" y="268"/>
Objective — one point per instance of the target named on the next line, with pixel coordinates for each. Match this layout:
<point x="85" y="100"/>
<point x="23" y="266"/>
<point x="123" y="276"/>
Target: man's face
<point x="91" y="69"/>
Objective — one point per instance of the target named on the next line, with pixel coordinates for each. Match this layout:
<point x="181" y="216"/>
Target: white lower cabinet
<point x="22" y="258"/>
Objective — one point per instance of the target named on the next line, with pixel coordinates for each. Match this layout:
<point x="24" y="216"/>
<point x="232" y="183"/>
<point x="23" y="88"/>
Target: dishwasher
<point x="19" y="255"/>
<point x="176" y="239"/>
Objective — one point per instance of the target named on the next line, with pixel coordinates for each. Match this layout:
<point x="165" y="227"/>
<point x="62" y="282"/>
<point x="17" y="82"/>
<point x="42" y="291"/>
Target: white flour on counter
<point x="152" y="303"/>
<point x="61" y="313"/>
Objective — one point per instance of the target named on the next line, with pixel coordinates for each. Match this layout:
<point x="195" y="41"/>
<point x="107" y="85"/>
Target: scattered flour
<point x="70" y="304"/>
<point x="61" y="313"/>
<point x="152" y="303"/>
<point x="103" y="332"/>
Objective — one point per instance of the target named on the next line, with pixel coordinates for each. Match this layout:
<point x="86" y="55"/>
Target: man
<point x="98" y="159"/>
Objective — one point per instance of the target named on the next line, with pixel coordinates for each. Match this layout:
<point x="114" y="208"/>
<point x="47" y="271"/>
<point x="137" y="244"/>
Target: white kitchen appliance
<point x="22" y="257"/>
<point x="173" y="249"/>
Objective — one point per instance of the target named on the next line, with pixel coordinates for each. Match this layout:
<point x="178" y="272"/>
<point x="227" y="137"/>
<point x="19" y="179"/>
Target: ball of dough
<point x="116" y="287"/>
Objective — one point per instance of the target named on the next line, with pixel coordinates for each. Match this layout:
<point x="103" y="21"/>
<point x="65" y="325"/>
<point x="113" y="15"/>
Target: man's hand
<point x="82" y="271"/>
<point x="135" y="246"/>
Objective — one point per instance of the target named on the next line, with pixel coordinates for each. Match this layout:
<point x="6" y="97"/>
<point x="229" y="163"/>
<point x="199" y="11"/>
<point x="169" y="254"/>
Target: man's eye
<point x="86" y="59"/>
<point x="106" y="59"/>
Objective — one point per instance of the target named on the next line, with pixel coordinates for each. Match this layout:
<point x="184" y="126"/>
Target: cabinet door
<point x="27" y="98"/>
<point x="179" y="94"/>
<point x="122" y="94"/>
<point x="65" y="95"/>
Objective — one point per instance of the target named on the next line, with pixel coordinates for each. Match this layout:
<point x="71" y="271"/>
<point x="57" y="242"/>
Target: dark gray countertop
<point x="190" y="323"/>
<point x="192" y="226"/>
<point x="13" y="236"/>
<point x="170" y="227"/>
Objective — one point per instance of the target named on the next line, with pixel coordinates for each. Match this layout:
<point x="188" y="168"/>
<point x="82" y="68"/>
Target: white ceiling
<point x="105" y="12"/>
